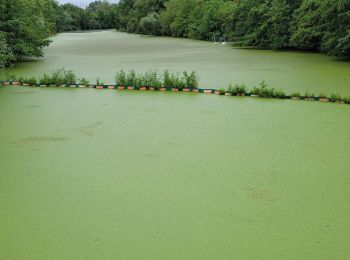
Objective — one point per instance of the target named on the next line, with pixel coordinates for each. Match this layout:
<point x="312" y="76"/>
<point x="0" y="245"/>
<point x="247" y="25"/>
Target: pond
<point x="107" y="174"/>
<point x="101" y="54"/>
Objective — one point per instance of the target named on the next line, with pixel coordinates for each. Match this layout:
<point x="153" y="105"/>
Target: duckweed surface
<point x="102" y="174"/>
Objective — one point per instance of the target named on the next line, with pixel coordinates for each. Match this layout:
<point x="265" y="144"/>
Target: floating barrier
<point x="207" y="91"/>
<point x="324" y="99"/>
<point x="336" y="99"/>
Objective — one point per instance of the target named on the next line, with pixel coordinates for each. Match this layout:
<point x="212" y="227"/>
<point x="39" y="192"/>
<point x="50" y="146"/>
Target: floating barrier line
<point x="171" y="89"/>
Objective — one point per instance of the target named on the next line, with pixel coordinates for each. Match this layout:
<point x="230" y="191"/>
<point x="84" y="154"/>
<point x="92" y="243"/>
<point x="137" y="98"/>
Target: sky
<point x="81" y="3"/>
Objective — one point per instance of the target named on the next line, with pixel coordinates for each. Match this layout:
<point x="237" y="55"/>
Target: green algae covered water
<point x="105" y="174"/>
<point x="101" y="54"/>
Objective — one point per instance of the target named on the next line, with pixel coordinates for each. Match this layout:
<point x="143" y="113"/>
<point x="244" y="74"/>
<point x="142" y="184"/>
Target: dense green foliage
<point x="25" y="25"/>
<point x="98" y="15"/>
<point x="153" y="79"/>
<point x="23" y="29"/>
<point x="318" y="25"/>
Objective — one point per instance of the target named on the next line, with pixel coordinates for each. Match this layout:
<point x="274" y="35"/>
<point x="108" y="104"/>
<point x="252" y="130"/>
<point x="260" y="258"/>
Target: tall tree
<point x="24" y="27"/>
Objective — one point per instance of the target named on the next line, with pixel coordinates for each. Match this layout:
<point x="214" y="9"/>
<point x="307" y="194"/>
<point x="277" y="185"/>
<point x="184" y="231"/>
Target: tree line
<point x="311" y="25"/>
<point x="26" y="25"/>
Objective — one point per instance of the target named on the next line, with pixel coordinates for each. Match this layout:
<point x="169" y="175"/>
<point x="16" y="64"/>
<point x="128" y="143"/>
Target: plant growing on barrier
<point x="152" y="79"/>
<point x="131" y="79"/>
<point x="175" y="81"/>
<point x="234" y="89"/>
<point x="99" y="82"/>
<point x="7" y="77"/>
<point x="155" y="80"/>
<point x="180" y="82"/>
<point x="30" y="81"/>
<point x="167" y="80"/>
<point x="230" y="88"/>
<point x="147" y="79"/>
<point x="221" y="91"/>
<point x="139" y="81"/>
<point x="309" y="96"/>
<point x="255" y="91"/>
<point x="242" y="89"/>
<point x="45" y="80"/>
<point x="335" y="97"/>
<point x="258" y="90"/>
<point x="295" y="95"/>
<point x="262" y="90"/>
<point x="83" y="81"/>
<point x="191" y="79"/>
<point x="279" y="94"/>
<point x="58" y="77"/>
<point x="69" y="77"/>
<point x="120" y="78"/>
<point x="238" y="90"/>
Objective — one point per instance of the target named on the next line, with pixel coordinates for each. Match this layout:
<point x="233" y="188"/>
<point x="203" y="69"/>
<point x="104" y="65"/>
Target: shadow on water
<point x="89" y="130"/>
<point x="341" y="59"/>
<point x="311" y="52"/>
<point x="31" y="60"/>
<point x="37" y="140"/>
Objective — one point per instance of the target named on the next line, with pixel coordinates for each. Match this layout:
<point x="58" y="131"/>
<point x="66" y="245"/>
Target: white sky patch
<point x="82" y="3"/>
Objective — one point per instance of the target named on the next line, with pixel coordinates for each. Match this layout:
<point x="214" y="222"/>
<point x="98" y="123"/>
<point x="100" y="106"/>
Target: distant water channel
<point x="100" y="54"/>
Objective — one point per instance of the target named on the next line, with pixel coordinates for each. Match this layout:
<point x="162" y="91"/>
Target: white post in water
<point x="224" y="40"/>
<point x="215" y="42"/>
